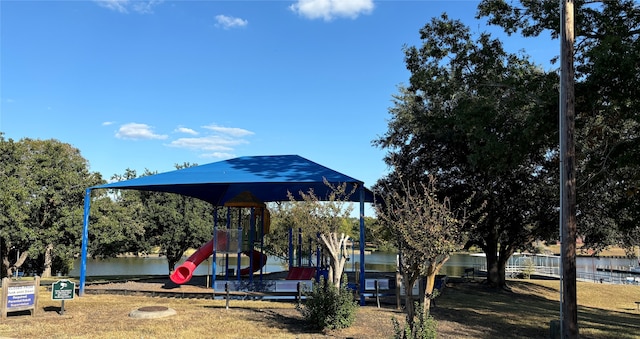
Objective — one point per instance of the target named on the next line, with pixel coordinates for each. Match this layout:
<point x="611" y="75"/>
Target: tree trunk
<point x="432" y="271"/>
<point x="409" y="281"/>
<point x="502" y="272"/>
<point x="48" y="261"/>
<point x="493" y="271"/>
<point x="6" y="265"/>
<point x="335" y="270"/>
<point x="173" y="257"/>
<point x="172" y="265"/>
<point x="336" y="247"/>
<point x="496" y="267"/>
<point x="428" y="291"/>
<point x="331" y="272"/>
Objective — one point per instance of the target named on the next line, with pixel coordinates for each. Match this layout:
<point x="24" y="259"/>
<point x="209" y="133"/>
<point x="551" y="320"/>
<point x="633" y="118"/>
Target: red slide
<point x="259" y="260"/>
<point x="184" y="272"/>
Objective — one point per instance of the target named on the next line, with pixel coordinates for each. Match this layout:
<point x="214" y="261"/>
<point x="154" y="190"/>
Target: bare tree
<point x="427" y="231"/>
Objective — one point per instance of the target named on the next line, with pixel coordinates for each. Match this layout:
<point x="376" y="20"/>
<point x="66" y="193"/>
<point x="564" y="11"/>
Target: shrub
<point x="328" y="307"/>
<point x="424" y="326"/>
<point x="528" y="268"/>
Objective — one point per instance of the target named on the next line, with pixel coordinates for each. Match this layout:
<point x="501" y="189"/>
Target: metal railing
<point x="599" y="276"/>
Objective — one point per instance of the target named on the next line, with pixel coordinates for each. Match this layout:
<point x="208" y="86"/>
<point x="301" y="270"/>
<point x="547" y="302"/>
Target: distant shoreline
<point x="612" y="253"/>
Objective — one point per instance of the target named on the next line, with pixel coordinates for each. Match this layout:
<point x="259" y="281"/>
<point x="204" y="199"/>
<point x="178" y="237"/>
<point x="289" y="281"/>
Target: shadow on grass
<point x="614" y="324"/>
<point x="292" y="321"/>
<point x="49" y="309"/>
<point x="22" y="313"/>
<point x="503" y="314"/>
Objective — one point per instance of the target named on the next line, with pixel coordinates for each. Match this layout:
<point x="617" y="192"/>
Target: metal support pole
<point x="290" y="247"/>
<point x="214" y="257"/>
<point x="85" y="241"/>
<point x="252" y="229"/>
<point x="240" y="243"/>
<point x="362" y="230"/>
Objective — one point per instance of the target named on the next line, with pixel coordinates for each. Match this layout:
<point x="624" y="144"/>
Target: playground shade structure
<point x="270" y="178"/>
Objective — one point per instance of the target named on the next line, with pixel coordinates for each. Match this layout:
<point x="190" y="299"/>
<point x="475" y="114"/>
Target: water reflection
<point x="374" y="262"/>
<point x="154" y="265"/>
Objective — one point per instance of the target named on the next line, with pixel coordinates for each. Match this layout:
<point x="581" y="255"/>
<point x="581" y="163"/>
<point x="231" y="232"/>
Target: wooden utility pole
<point x="569" y="305"/>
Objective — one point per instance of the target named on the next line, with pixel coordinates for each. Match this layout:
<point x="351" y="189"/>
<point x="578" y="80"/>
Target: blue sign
<point x="21" y="296"/>
<point x="23" y="300"/>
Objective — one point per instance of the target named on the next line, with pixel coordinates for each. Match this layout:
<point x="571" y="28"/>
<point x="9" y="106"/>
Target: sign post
<point x="63" y="290"/>
<point x="19" y="295"/>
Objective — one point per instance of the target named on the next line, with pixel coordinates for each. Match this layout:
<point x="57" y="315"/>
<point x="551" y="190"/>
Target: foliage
<point x="485" y="122"/>
<point x="175" y="222"/>
<point x="115" y="226"/>
<point x="328" y="307"/>
<point x="14" y="233"/>
<point x="427" y="231"/>
<point x="607" y="107"/>
<point x="276" y="242"/>
<point x="528" y="268"/>
<point x="378" y="234"/>
<point x="142" y="220"/>
<point x="327" y="220"/>
<point x="43" y="187"/>
<point x="423" y="326"/>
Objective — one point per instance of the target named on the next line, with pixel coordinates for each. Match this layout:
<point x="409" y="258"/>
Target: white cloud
<point x="114" y="5"/>
<point x="124" y="6"/>
<point x="220" y="155"/>
<point x="228" y="22"/>
<point x="208" y="143"/>
<point x="145" y="7"/>
<point x="108" y="123"/>
<point x="218" y="145"/>
<point x="330" y="9"/>
<point x="232" y="131"/>
<point x="137" y="131"/>
<point x="186" y="131"/>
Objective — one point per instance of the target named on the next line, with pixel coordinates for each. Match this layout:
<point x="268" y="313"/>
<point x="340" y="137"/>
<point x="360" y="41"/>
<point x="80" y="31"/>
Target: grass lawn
<point x="464" y="310"/>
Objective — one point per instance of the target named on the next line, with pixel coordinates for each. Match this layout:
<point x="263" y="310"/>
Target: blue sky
<point x="148" y="84"/>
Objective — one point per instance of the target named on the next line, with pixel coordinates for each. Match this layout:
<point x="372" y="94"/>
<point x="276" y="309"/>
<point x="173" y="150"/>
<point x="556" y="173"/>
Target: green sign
<point x="63" y="290"/>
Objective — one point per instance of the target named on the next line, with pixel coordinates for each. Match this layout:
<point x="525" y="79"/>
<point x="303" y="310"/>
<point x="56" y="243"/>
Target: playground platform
<point x="200" y="286"/>
<point x="380" y="287"/>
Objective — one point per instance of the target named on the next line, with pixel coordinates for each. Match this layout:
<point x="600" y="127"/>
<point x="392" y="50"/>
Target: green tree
<point x="117" y="221"/>
<point x="14" y="233"/>
<point x="483" y="121"/>
<point x="376" y="233"/>
<point x="607" y="91"/>
<point x="276" y="242"/>
<point x="115" y="229"/>
<point x="60" y="175"/>
<point x="175" y="222"/>
<point x="427" y="231"/>
<point x="328" y="217"/>
<point x="46" y="211"/>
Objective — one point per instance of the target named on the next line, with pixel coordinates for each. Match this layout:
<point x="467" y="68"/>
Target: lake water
<point x="587" y="267"/>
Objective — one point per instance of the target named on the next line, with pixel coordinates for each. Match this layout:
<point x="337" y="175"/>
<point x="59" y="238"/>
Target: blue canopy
<point x="268" y="178"/>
